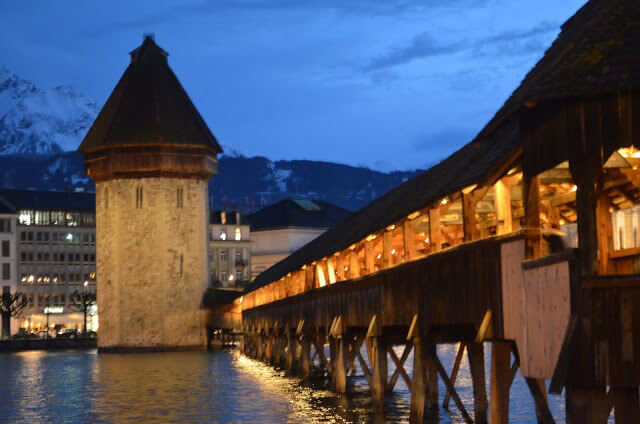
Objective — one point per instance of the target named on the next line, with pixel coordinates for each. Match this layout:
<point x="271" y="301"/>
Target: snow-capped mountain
<point x="39" y="121"/>
<point x="41" y="129"/>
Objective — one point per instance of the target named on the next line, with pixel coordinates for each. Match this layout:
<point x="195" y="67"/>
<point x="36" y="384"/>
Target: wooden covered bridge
<point x="527" y="238"/>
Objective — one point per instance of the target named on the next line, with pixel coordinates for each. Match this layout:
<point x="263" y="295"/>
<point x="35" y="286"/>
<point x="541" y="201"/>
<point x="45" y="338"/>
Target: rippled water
<point x="200" y="387"/>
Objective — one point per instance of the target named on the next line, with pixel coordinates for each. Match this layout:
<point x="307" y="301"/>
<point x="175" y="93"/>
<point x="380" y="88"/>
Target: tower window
<point x="179" y="193"/>
<point x="139" y="197"/>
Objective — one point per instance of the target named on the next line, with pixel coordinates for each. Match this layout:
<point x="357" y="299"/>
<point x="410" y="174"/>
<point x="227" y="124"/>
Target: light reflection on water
<point x="194" y="387"/>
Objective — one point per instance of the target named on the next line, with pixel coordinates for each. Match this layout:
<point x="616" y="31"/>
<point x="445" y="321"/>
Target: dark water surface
<point x="201" y="387"/>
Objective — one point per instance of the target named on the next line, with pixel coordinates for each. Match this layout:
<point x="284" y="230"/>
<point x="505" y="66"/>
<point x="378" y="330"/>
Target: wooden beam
<point x="503" y="208"/>
<point x="450" y="388"/>
<point x="500" y="382"/>
<point x="387" y="245"/>
<point x="379" y="372"/>
<point x="531" y="191"/>
<point x="470" y="227"/>
<point x="454" y="373"/>
<point x="399" y="362"/>
<point x="354" y="265"/>
<point x="604" y="231"/>
<point x="475" y="353"/>
<point x="410" y="251"/>
<point x="369" y="259"/>
<point x="537" y="389"/>
<point x="418" y="382"/>
<point x="435" y="237"/>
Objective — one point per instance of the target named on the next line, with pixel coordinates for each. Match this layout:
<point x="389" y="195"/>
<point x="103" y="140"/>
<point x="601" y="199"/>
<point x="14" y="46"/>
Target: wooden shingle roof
<point x="148" y="106"/>
<point x="596" y="52"/>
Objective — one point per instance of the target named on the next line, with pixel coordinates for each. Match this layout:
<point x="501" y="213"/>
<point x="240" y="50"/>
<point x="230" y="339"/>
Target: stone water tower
<point x="151" y="156"/>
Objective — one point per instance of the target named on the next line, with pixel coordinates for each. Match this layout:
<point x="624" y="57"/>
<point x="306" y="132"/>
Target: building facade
<point x="53" y="254"/>
<point x="8" y="254"/>
<point x="229" y="250"/>
<point x="282" y="228"/>
<point x="151" y="156"/>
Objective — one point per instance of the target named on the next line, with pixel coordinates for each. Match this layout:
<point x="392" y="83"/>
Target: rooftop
<point x="297" y="213"/>
<point x="149" y="106"/>
<point x="48" y="200"/>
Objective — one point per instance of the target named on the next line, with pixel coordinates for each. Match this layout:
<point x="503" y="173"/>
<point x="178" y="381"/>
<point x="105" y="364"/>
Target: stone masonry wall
<point x="152" y="263"/>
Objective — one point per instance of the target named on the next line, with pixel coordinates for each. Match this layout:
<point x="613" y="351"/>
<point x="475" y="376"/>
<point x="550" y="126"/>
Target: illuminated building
<point x="229" y="250"/>
<point x="282" y="228"/>
<point x="54" y="254"/>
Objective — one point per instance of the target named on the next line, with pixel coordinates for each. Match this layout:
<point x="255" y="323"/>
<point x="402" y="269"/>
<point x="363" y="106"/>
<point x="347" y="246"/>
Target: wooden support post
<point x="445" y="378"/>
<point x="500" y="382"/>
<point x="379" y="377"/>
<point x="354" y="265"/>
<point x="399" y="371"/>
<point x="434" y="229"/>
<point x="470" y="228"/>
<point x="331" y="269"/>
<point x="338" y="363"/>
<point x="386" y="249"/>
<point x="369" y="259"/>
<point x="410" y="251"/>
<point x="503" y="208"/>
<point x="627" y="408"/>
<point x="475" y="354"/>
<point x="604" y="231"/>
<point x="454" y="374"/>
<point x="539" y="393"/>
<point x="432" y="376"/>
<point x="587" y="406"/>
<point x="419" y="381"/>
<point x="258" y="347"/>
<point x="291" y="351"/>
<point x="531" y="191"/>
<point x="305" y="362"/>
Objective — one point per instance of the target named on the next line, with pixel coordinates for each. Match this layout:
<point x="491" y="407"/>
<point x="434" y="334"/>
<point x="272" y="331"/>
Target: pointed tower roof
<point x="149" y="107"/>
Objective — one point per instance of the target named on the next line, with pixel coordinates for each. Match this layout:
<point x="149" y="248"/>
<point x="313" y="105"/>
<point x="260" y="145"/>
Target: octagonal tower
<point x="151" y="156"/>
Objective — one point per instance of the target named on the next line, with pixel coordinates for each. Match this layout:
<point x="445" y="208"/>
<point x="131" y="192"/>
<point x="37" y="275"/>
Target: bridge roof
<point x="594" y="54"/>
<point x="149" y="106"/>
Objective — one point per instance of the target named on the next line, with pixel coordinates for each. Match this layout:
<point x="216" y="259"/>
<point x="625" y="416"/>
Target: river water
<point x="202" y="387"/>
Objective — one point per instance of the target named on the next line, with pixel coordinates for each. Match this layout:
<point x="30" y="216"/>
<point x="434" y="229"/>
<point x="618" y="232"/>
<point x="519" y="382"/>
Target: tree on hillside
<point x="82" y="301"/>
<point x="11" y="305"/>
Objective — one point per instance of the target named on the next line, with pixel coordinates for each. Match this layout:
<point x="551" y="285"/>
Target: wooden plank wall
<point x="513" y="297"/>
<point x="616" y="331"/>
<point x="547" y="312"/>
<point x="536" y="300"/>
<point x="453" y="287"/>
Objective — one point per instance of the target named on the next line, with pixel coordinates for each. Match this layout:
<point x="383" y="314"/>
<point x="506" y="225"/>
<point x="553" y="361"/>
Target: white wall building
<point x="8" y="254"/>
<point x="229" y="250"/>
<point x="282" y="228"/>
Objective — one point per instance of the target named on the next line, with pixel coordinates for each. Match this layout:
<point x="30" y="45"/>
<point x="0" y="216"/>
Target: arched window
<point x="179" y="194"/>
<point x="139" y="197"/>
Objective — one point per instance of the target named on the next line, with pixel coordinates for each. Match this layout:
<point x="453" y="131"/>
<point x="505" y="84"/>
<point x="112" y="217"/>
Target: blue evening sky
<point x="390" y="84"/>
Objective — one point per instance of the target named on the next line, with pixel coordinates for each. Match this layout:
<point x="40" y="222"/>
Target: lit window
<point x="223" y="235"/>
<point x="238" y="233"/>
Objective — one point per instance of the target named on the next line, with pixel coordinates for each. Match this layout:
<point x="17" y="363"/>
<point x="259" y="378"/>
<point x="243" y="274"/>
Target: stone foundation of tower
<point x="152" y="263"/>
